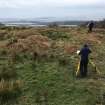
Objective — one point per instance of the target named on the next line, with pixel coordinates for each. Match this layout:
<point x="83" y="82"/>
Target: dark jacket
<point x="85" y="51"/>
<point x="91" y="25"/>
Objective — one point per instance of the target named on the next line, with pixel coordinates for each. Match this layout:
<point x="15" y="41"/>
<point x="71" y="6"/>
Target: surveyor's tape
<point x="78" y="69"/>
<point x="96" y="69"/>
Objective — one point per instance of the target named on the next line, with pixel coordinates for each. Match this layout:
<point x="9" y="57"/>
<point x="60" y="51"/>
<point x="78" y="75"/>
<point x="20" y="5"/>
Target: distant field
<point x="42" y="62"/>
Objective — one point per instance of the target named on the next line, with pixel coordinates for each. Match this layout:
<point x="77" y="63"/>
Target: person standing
<point x="84" y="53"/>
<point x="90" y="26"/>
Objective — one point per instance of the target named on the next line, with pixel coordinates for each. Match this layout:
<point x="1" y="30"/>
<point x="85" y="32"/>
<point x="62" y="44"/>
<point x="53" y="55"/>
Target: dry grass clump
<point x="12" y="40"/>
<point x="69" y="49"/>
<point x="93" y="39"/>
<point x="33" y="43"/>
<point x="10" y="86"/>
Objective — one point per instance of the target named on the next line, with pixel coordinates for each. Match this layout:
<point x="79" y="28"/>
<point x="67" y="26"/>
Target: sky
<point x="68" y="9"/>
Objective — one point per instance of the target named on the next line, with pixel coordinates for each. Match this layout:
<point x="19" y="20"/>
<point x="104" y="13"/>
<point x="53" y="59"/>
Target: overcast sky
<point x="72" y="9"/>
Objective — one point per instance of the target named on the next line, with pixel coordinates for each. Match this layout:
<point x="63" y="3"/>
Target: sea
<point x="22" y="24"/>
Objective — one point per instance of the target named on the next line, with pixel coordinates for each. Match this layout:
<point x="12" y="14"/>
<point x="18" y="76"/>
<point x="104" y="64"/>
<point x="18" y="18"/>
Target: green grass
<point x="51" y="80"/>
<point x="56" y="84"/>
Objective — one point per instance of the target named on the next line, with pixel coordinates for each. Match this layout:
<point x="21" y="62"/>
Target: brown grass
<point x="7" y="87"/>
<point x="33" y="43"/>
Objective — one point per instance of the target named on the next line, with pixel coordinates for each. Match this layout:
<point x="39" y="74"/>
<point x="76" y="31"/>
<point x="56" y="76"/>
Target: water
<point x="68" y="25"/>
<point x="22" y="24"/>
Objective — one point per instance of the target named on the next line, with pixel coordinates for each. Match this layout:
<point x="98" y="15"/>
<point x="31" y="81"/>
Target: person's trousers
<point x="90" y="29"/>
<point x="83" y="67"/>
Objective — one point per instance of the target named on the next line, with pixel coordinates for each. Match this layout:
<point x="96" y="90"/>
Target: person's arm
<point x="80" y="52"/>
<point x="88" y="24"/>
<point x="90" y="51"/>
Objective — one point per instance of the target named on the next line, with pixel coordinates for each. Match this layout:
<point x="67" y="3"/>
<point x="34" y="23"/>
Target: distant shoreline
<point x="33" y="25"/>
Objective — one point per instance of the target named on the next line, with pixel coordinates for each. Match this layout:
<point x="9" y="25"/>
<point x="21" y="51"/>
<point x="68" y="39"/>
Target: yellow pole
<point x="93" y="64"/>
<point x="78" y="69"/>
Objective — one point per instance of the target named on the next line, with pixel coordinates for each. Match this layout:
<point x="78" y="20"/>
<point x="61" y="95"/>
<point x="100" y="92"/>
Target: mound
<point x="33" y="43"/>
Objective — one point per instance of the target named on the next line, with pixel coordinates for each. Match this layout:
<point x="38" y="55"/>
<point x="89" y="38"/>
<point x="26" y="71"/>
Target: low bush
<point x="55" y="35"/>
<point x="12" y="40"/>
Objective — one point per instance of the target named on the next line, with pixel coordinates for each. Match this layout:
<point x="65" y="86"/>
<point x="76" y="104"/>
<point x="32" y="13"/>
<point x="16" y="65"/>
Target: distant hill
<point x="1" y="24"/>
<point x="100" y="24"/>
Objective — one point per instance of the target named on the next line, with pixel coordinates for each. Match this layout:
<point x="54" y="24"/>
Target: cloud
<point x="44" y="3"/>
<point x="60" y="8"/>
<point x="18" y="3"/>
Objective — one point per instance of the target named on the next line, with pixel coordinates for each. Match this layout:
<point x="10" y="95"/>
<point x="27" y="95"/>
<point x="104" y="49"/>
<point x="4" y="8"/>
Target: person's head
<point x="85" y="45"/>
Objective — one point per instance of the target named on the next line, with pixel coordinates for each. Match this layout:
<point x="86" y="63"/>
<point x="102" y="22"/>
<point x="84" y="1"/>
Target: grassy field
<point x="43" y="62"/>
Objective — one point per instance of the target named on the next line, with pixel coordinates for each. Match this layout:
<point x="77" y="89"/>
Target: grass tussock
<point x="10" y="85"/>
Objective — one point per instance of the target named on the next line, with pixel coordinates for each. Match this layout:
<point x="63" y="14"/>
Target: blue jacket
<point x="85" y="51"/>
